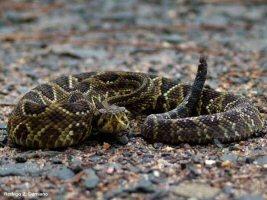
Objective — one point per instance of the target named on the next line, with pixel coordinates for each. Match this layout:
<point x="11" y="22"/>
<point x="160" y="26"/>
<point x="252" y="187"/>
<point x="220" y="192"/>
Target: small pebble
<point x="20" y="159"/>
<point x="91" y="180"/>
<point x="227" y="164"/>
<point x="62" y="173"/>
<point x="210" y="162"/>
<point x="56" y="161"/>
<point x="157" y="145"/>
<point x="143" y="186"/>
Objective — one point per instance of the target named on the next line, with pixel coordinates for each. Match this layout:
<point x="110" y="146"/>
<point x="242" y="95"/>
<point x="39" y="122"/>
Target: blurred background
<point x="40" y="40"/>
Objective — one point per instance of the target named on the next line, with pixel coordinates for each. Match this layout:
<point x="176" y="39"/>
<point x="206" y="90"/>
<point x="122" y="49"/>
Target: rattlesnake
<point x="63" y="112"/>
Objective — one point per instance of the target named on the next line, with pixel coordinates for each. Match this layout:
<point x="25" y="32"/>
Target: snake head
<point x="113" y="119"/>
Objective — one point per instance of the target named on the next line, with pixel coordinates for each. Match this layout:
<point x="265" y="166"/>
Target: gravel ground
<point x="40" y="41"/>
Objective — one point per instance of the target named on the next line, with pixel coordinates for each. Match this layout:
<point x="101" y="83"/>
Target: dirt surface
<point x="40" y="41"/>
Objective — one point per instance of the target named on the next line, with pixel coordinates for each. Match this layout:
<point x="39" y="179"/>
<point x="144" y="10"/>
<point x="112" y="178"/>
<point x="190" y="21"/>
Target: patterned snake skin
<point x="63" y="112"/>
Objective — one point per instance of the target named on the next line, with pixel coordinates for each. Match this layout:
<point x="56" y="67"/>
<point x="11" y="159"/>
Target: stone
<point x="20" y="169"/>
<point x="229" y="157"/>
<point x="157" y="145"/>
<point x="77" y="53"/>
<point x="76" y="166"/>
<point x="3" y="126"/>
<point x="196" y="190"/>
<point x="123" y="139"/>
<point x="18" y="18"/>
<point x="227" y="164"/>
<point x="173" y="38"/>
<point x="62" y="173"/>
<point x="143" y="186"/>
<point x="91" y="180"/>
<point x="20" y="159"/>
<point x="114" y="193"/>
<point x="262" y="160"/>
<point x="210" y="162"/>
<point x="251" y="197"/>
<point x="3" y="135"/>
<point x="56" y="161"/>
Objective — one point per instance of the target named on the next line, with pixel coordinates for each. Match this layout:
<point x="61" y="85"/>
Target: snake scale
<point x="67" y="110"/>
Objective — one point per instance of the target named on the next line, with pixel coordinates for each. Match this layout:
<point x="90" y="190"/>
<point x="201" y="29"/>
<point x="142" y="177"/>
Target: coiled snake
<point x="63" y="112"/>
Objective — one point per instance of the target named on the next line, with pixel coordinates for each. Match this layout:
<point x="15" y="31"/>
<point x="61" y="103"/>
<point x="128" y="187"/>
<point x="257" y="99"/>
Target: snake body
<point x="65" y="111"/>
